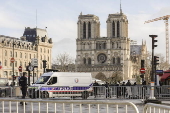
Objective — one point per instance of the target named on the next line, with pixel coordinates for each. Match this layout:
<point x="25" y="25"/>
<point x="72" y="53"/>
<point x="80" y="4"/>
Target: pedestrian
<point x="95" y="88"/>
<point x="129" y="91"/>
<point x="23" y="86"/>
<point x="144" y="89"/>
<point x="128" y="83"/>
<point x="118" y="89"/>
<point x="107" y="89"/>
<point x="123" y="89"/>
<point x="135" y="90"/>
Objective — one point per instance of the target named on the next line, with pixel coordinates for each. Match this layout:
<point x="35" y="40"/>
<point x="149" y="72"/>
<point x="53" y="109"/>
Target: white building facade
<point x="34" y="43"/>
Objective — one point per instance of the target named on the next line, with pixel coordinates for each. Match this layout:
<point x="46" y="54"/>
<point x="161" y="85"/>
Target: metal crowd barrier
<point x="112" y="92"/>
<point x="156" y="108"/>
<point x="65" y="106"/>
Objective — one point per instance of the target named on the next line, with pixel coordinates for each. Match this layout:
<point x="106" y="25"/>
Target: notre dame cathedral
<point x="110" y="56"/>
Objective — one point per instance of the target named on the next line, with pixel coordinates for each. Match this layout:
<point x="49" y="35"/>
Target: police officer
<point x="95" y="88"/>
<point x="23" y="85"/>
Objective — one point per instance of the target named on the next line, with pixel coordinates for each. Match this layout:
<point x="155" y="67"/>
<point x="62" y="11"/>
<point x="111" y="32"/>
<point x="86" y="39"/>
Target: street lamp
<point x="13" y="64"/>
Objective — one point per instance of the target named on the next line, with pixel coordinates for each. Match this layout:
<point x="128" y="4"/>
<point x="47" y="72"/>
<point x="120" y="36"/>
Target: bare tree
<point x="163" y="65"/>
<point x="115" y="77"/>
<point x="63" y="60"/>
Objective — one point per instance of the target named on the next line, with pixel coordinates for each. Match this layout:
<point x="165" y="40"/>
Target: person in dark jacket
<point x="123" y="89"/>
<point x="107" y="89"/>
<point x="95" y="88"/>
<point x="23" y="85"/>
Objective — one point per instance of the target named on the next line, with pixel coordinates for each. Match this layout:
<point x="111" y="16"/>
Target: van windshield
<point x="42" y="80"/>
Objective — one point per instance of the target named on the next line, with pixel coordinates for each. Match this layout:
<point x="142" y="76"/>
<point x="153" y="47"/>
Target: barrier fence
<point x="156" y="108"/>
<point x="72" y="106"/>
<point x="112" y="92"/>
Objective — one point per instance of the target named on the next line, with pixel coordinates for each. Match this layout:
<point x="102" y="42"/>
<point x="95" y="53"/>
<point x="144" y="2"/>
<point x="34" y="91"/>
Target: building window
<point x="25" y="64"/>
<point x="114" y="61"/>
<point x="44" y="50"/>
<point x="11" y="54"/>
<point x="11" y="64"/>
<point x="15" y="54"/>
<point x="5" y="63"/>
<point x="112" y="44"/>
<point x="89" y="30"/>
<point x="20" y="63"/>
<point x="113" y="29"/>
<point x="41" y="50"/>
<point x="41" y="66"/>
<point x="84" y="30"/>
<point x="34" y="55"/>
<point x="20" y="55"/>
<point x="89" y="60"/>
<point x="25" y="55"/>
<point x="118" y="28"/>
<point x="5" y="73"/>
<point x="30" y="56"/>
<point x="5" y="53"/>
<point x="118" y="60"/>
<point x="117" y="44"/>
<point x="48" y="51"/>
<point x="41" y="57"/>
<point x="15" y="63"/>
<point x="84" y="60"/>
<point x="48" y="58"/>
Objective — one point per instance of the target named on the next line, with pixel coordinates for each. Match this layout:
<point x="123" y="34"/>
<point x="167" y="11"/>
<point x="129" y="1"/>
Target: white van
<point x="65" y="84"/>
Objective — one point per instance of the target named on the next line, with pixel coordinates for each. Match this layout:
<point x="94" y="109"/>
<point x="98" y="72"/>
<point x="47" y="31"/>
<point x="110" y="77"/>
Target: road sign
<point x="159" y="71"/>
<point x="12" y="60"/>
<point x="30" y="68"/>
<point x="142" y="70"/>
<point x="34" y="62"/>
<point x="20" y="68"/>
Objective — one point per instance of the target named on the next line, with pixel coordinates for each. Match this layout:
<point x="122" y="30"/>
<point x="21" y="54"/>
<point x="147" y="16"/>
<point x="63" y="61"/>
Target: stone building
<point x="34" y="43"/>
<point x="110" y="56"/>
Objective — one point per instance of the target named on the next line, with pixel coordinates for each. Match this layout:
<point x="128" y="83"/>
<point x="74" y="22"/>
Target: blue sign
<point x="159" y="71"/>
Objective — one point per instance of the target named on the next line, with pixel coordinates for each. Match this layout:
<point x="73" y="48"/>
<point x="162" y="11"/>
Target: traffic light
<point x="142" y="63"/>
<point x="153" y="41"/>
<point x="44" y="63"/>
<point x="156" y="60"/>
<point x="142" y="76"/>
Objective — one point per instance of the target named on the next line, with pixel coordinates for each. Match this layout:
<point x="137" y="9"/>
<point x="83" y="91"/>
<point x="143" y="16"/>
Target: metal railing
<point x="65" y="106"/>
<point x="156" y="108"/>
<point x="112" y="92"/>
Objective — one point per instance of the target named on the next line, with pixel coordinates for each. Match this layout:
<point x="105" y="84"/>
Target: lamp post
<point x="13" y="64"/>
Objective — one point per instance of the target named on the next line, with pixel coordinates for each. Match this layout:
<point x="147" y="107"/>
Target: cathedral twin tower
<point x="102" y="55"/>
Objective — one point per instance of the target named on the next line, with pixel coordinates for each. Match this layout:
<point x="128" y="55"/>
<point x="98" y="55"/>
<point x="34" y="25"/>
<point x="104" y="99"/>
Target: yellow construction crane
<point x="166" y="33"/>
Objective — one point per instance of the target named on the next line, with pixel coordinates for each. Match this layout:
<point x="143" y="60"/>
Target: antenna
<point x="120" y="8"/>
<point x="36" y="18"/>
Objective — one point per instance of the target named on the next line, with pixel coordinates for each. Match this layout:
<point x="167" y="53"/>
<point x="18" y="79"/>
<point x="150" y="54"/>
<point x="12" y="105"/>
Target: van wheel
<point x="44" y="94"/>
<point x="85" y="95"/>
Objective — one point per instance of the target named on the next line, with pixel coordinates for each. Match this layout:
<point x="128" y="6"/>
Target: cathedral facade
<point x="107" y="57"/>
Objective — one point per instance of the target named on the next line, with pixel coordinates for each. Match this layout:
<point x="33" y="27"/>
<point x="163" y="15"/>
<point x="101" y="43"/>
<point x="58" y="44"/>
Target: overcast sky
<point x="60" y="17"/>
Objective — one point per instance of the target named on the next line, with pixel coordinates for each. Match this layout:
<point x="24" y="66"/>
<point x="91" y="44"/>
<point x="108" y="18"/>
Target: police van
<point x="62" y="84"/>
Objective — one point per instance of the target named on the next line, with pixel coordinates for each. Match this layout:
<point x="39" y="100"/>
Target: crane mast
<point x="165" y="18"/>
